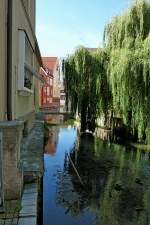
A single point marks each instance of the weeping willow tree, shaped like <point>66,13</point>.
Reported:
<point>127,39</point>
<point>71,81</point>
<point>86,85</point>
<point>104,96</point>
<point>117,78</point>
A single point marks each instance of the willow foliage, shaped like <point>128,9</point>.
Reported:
<point>117,78</point>
<point>86,84</point>
<point>127,39</point>
<point>127,30</point>
<point>70,78</point>
<point>103,92</point>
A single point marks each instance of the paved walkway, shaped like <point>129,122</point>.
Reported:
<point>28,213</point>
<point>32,166</point>
<point>32,150</point>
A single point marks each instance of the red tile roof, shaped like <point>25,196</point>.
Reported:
<point>50,62</point>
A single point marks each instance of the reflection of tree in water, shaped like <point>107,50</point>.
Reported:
<point>116,188</point>
<point>93,172</point>
<point>124,201</point>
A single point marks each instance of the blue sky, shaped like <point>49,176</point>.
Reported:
<point>62,25</point>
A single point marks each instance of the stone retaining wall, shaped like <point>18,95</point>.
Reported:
<point>12,176</point>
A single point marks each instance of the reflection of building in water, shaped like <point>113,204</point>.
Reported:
<point>55,119</point>
<point>50,147</point>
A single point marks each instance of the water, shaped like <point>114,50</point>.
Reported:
<point>116,189</point>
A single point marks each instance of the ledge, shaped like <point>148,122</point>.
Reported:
<point>25,92</point>
<point>12,123</point>
<point>32,150</point>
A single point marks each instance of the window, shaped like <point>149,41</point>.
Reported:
<point>50,72</point>
<point>51,92</point>
<point>28,75</point>
<point>44,100</point>
<point>48,91</point>
<point>27,78</point>
<point>25,65</point>
<point>50,101</point>
<point>28,52</point>
<point>62,97</point>
<point>51,82</point>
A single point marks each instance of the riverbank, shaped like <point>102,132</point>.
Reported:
<point>105,133</point>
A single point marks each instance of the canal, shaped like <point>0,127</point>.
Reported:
<point>110,184</point>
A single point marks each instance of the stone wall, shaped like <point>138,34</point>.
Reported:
<point>29,120</point>
<point>12,175</point>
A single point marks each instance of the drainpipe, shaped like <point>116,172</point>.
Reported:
<point>9,60</point>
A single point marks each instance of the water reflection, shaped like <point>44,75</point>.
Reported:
<point>54,118</point>
<point>116,179</point>
<point>51,144</point>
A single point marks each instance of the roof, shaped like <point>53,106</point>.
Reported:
<point>38,53</point>
<point>50,62</point>
<point>92,49</point>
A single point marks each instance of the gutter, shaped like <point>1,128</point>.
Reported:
<point>9,60</point>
